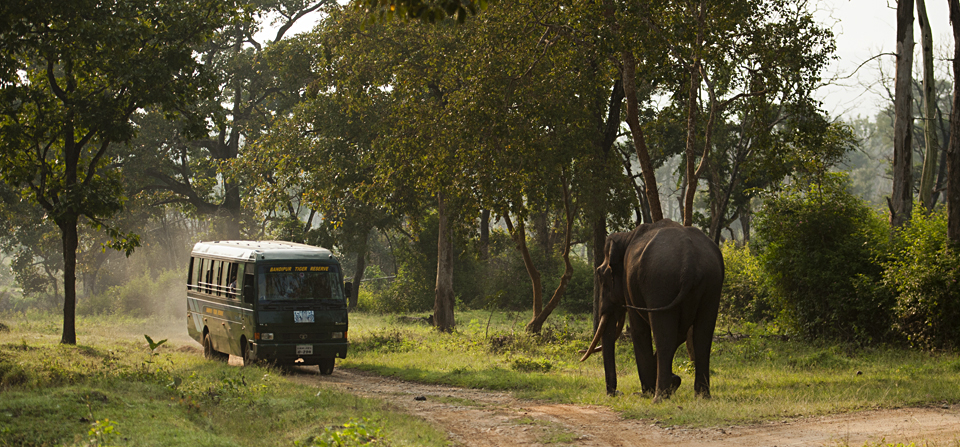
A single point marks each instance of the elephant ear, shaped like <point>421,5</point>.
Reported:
<point>613,251</point>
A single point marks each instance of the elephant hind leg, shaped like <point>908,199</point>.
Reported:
<point>702,342</point>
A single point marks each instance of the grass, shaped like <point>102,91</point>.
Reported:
<point>112,390</point>
<point>760,376</point>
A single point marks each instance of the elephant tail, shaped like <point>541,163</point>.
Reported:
<point>684,292</point>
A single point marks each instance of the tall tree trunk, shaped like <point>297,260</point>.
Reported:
<point>607,131</point>
<point>443,303</point>
<point>485,234</point>
<point>901,201</point>
<point>953,149</point>
<point>930,111</point>
<point>69,234</point>
<point>536,324</point>
<point>519,235</point>
<point>745,214</point>
<point>358,272</point>
<point>692,172</point>
<point>639,141</point>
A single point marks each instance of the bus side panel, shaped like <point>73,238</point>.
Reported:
<point>194,319</point>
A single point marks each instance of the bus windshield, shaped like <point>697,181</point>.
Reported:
<point>300,283</point>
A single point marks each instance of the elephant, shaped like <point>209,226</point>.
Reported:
<point>667,277</point>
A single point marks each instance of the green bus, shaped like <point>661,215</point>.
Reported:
<point>276,301</point>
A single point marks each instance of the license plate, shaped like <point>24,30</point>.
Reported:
<point>303,316</point>
<point>304,349</point>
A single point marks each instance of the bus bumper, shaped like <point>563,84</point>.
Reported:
<point>286,353</point>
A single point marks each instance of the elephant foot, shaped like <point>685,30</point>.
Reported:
<point>614,392</point>
<point>675,382</point>
<point>703,393</point>
<point>661,396</point>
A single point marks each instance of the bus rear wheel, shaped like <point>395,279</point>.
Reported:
<point>326,366</point>
<point>209,353</point>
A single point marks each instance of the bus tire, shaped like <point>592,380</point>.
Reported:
<point>326,366</point>
<point>247,354</point>
<point>208,352</point>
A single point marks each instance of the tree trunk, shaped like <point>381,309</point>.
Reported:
<point>953,149</point>
<point>745,215</point>
<point>443,304</point>
<point>692,108</point>
<point>519,235</point>
<point>901,201</point>
<point>536,324</point>
<point>358,272</point>
<point>930,110</point>
<point>607,131</point>
<point>70,238</point>
<point>485,234</point>
<point>639,142</point>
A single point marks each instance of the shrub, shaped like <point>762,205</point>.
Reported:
<point>924,270</point>
<point>141,296</point>
<point>746,296</point>
<point>822,250</point>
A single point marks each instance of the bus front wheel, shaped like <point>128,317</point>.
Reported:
<point>247,354</point>
<point>326,366</point>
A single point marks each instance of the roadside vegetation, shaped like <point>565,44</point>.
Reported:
<point>112,389</point>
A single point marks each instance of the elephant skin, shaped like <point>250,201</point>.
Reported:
<point>667,278</point>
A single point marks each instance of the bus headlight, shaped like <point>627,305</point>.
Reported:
<point>337,335</point>
<point>265,336</point>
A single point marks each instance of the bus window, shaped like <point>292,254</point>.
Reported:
<point>231,277</point>
<point>199,274</point>
<point>190,275</point>
<point>209,276</point>
<point>249,292</point>
<point>300,283</point>
<point>218,276</point>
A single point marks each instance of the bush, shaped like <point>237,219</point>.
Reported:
<point>822,252</point>
<point>141,296</point>
<point>745,296</point>
<point>924,271</point>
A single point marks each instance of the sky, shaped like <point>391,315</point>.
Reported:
<point>864,29</point>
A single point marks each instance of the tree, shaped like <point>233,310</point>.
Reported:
<point>259,77</point>
<point>429,11</point>
<point>929,109</point>
<point>901,200</point>
<point>78,71</point>
<point>953,149</point>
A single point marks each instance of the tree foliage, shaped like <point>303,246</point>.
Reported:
<point>73,75</point>
<point>822,250</point>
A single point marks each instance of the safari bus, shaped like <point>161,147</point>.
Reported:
<point>276,301</point>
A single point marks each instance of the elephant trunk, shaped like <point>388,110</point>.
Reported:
<point>596,338</point>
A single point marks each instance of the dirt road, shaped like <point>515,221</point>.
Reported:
<point>482,418</point>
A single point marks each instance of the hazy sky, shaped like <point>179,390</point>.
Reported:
<point>863,29</point>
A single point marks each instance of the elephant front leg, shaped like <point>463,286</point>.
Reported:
<point>643,352</point>
<point>610,334</point>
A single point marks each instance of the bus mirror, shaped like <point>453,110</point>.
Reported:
<point>348,289</point>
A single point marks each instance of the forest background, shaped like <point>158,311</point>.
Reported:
<point>474,157</point>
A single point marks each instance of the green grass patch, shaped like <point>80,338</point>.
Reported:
<point>758,375</point>
<point>111,389</point>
